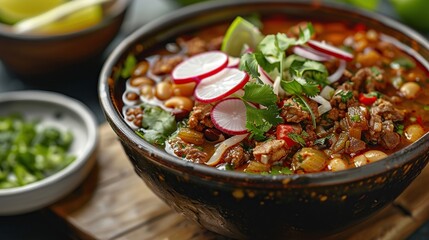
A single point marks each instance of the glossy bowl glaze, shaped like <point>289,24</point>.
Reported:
<point>64,113</point>
<point>246,206</point>
<point>38,58</point>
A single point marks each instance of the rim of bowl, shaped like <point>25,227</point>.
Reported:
<point>118,7</point>
<point>295,180</point>
<point>65,102</point>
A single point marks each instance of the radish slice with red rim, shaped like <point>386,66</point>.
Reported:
<point>199,66</point>
<point>338,73</point>
<point>223,146</point>
<point>233,62</point>
<point>330,50</point>
<point>264,76</point>
<point>311,54</point>
<point>220,85</point>
<point>229,116</point>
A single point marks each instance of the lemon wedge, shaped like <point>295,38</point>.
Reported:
<point>240,33</point>
<point>12,11</point>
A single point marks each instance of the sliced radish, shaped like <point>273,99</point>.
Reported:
<point>330,50</point>
<point>223,146</point>
<point>264,76</point>
<point>311,54</point>
<point>233,62</point>
<point>229,116</point>
<point>199,66</point>
<point>220,85</point>
<point>338,73</point>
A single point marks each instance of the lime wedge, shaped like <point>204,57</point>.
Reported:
<point>76,21</point>
<point>241,32</point>
<point>12,11</point>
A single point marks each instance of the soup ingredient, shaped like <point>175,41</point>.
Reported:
<point>240,33</point>
<point>223,146</point>
<point>220,85</point>
<point>311,54</point>
<point>12,11</point>
<point>330,50</point>
<point>30,151</point>
<point>199,66</point>
<point>338,73</point>
<point>229,116</point>
<point>413,12</point>
<point>157,125</point>
<point>413,132</point>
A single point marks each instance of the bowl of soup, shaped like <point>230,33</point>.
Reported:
<point>42,54</point>
<point>271,119</point>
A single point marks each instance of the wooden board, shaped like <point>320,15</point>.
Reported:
<point>114,203</point>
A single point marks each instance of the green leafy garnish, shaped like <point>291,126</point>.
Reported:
<point>129,65</point>
<point>157,125</point>
<point>403,62</point>
<point>345,95</point>
<point>259,121</point>
<point>297,138</point>
<point>30,152</point>
<point>259,93</point>
<point>279,170</point>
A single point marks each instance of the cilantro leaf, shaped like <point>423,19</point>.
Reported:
<point>292,87</point>
<point>277,170</point>
<point>259,93</point>
<point>249,64</point>
<point>297,138</point>
<point>259,121</point>
<point>305,34</point>
<point>157,125</point>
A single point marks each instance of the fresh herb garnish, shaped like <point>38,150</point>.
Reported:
<point>280,170</point>
<point>298,76</point>
<point>403,62</point>
<point>297,138</point>
<point>345,95</point>
<point>399,128</point>
<point>157,125</point>
<point>129,65</point>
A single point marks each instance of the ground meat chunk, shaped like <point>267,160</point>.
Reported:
<point>389,139</point>
<point>387,111</point>
<point>270,151</point>
<point>187,151</point>
<point>199,118</point>
<point>166,64</point>
<point>381,124</point>
<point>369,80</point>
<point>292,111</point>
<point>235,156</point>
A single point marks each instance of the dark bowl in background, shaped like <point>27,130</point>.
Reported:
<point>42,57</point>
<point>241,205</point>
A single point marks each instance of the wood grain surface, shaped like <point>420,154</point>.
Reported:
<point>114,203</point>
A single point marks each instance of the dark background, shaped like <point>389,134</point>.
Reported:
<point>82,85</point>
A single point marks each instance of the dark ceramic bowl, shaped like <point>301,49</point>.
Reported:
<point>240,205</point>
<point>46,56</point>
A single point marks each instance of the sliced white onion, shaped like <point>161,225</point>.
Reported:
<point>325,105</point>
<point>223,146</point>
<point>327,92</point>
<point>338,73</point>
<point>311,54</point>
<point>277,89</point>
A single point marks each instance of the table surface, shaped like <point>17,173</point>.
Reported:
<point>82,85</point>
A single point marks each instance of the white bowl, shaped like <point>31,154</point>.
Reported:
<point>63,112</point>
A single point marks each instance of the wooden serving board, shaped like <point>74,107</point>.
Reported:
<point>114,203</point>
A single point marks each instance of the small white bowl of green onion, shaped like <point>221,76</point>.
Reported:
<point>48,145</point>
